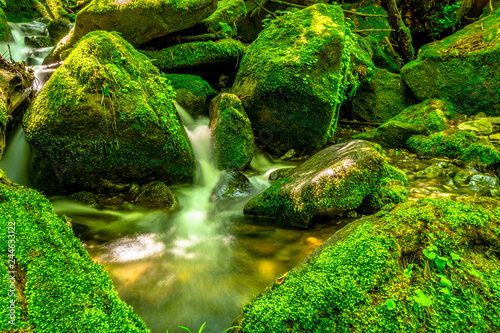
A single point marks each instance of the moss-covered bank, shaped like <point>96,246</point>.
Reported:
<point>426,266</point>
<point>58,288</point>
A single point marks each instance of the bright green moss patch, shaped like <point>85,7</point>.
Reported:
<point>486,155</point>
<point>59,287</point>
<point>451,144</point>
<point>106,113</point>
<point>223,20</point>
<point>197,53</point>
<point>193,83</point>
<point>431,265</point>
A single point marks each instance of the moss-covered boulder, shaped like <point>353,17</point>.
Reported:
<point>334,180</point>
<point>58,29</point>
<point>106,115</point>
<point>232,133</point>
<point>192,93</point>
<point>381,98</point>
<point>223,21</point>
<point>427,265</point>
<point>454,143</point>
<point>425,118</point>
<point>231,184</point>
<point>4,27</point>
<point>140,21</point>
<point>295,75</point>
<point>157,195</point>
<point>190,56</point>
<point>463,68</point>
<point>55,285</point>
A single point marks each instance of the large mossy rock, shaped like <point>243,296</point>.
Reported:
<point>192,93</point>
<point>189,57</point>
<point>107,114</point>
<point>4,27</point>
<point>427,265</point>
<point>223,21</point>
<point>463,68</point>
<point>58,287</point>
<point>381,98</point>
<point>331,182</point>
<point>232,133</point>
<point>424,118</point>
<point>295,75</point>
<point>140,21</point>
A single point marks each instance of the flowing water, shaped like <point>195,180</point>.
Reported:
<point>202,263</point>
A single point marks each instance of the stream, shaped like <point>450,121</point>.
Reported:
<point>204,262</point>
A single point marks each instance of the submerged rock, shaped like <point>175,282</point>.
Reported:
<point>405,269</point>
<point>463,68</point>
<point>231,184</point>
<point>54,271</point>
<point>295,75</point>
<point>106,115</point>
<point>381,98</point>
<point>331,182</point>
<point>232,133</point>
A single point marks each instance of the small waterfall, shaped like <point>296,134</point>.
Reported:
<point>16,157</point>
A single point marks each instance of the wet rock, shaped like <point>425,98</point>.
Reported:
<point>390,192</point>
<point>432,172</point>
<point>85,198</point>
<point>480,115</point>
<point>123,130</point>
<point>34,28</point>
<point>495,137</point>
<point>484,191</point>
<point>280,173</point>
<point>384,96</point>
<point>288,155</point>
<point>192,93</point>
<point>223,21</point>
<point>462,68</point>
<point>111,202</point>
<point>157,195</point>
<point>38,41</point>
<point>480,126</point>
<point>479,181</point>
<point>363,254</point>
<point>294,104</point>
<point>231,184</point>
<point>331,182</point>
<point>232,133</point>
<point>58,29</point>
<point>461,178</point>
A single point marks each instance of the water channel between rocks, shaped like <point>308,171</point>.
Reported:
<point>206,261</point>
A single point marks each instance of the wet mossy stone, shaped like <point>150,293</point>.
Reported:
<point>107,115</point>
<point>463,68</point>
<point>140,21</point>
<point>4,27</point>
<point>231,184</point>
<point>157,195</point>
<point>381,98</point>
<point>296,74</point>
<point>58,29</point>
<point>192,93</point>
<point>186,56</point>
<point>232,133</point>
<point>424,265</point>
<point>331,182</point>
<point>59,288</point>
<point>424,118</point>
<point>223,21</point>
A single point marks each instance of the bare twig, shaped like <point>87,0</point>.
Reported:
<point>10,53</point>
<point>394,54</point>
<point>265,9</point>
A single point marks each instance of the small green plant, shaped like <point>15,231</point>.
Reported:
<point>445,19</point>
<point>203,326</point>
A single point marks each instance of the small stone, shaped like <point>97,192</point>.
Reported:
<point>480,115</point>
<point>288,155</point>
<point>432,172</point>
<point>495,137</point>
<point>484,180</point>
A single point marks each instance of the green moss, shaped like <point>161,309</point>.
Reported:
<point>193,83</point>
<point>223,20</point>
<point>451,143</point>
<point>62,289</point>
<point>103,6</point>
<point>232,133</point>
<point>373,275</point>
<point>108,109</point>
<point>196,53</point>
<point>4,27</point>
<point>480,153</point>
<point>19,10</point>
